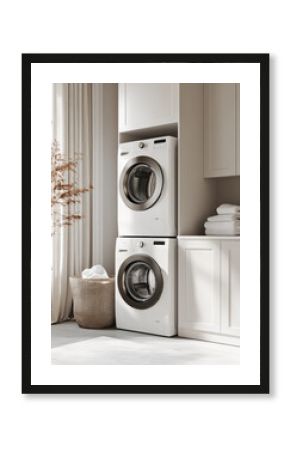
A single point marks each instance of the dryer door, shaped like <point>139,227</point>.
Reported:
<point>141,183</point>
<point>140,281</point>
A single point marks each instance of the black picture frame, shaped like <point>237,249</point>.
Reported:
<point>263,61</point>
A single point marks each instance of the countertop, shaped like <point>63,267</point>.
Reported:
<point>203,236</point>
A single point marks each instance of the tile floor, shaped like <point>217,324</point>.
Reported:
<point>74,345</point>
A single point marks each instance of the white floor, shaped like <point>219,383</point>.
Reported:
<point>74,345</point>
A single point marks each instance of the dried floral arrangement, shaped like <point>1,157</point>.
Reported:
<point>65,191</point>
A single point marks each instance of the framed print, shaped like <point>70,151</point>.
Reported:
<point>139,274</point>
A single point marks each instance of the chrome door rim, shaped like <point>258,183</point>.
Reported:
<point>122,285</point>
<point>123,185</point>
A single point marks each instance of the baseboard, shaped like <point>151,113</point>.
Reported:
<point>209,337</point>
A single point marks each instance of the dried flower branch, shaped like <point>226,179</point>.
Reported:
<point>65,192</point>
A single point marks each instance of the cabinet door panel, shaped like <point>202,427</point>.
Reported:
<point>219,130</point>
<point>199,293</point>
<point>230,287</point>
<point>147,105</point>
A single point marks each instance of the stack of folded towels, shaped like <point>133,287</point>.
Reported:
<point>226,222</point>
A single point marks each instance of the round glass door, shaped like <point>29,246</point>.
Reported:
<point>141,183</point>
<point>140,281</point>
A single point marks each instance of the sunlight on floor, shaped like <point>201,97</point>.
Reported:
<point>74,345</point>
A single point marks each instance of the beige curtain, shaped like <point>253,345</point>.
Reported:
<point>72,245</point>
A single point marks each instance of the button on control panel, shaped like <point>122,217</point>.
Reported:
<point>140,244</point>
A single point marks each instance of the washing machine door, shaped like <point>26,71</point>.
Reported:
<point>140,281</point>
<point>141,183</point>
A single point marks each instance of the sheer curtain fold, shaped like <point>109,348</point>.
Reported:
<point>72,245</point>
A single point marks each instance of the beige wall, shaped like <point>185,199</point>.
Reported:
<point>228,190</point>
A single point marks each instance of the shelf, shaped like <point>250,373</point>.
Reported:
<point>148,133</point>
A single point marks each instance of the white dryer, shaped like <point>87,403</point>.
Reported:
<point>146,285</point>
<point>147,187</point>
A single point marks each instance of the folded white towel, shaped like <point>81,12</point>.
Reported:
<point>95,272</point>
<point>228,208</point>
<point>223,218</point>
<point>228,228</point>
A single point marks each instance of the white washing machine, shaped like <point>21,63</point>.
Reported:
<point>146,285</point>
<point>147,187</point>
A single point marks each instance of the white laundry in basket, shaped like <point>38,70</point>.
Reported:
<point>95,272</point>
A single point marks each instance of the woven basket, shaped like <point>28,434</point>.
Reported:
<point>93,302</point>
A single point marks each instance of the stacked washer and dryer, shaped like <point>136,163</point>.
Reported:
<point>146,254</point>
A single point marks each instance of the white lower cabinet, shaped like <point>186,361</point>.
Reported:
<point>209,289</point>
<point>230,287</point>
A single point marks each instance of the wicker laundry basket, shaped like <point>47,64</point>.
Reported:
<point>93,302</point>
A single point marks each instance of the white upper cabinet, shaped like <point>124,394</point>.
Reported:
<point>237,115</point>
<point>147,105</point>
<point>221,130</point>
